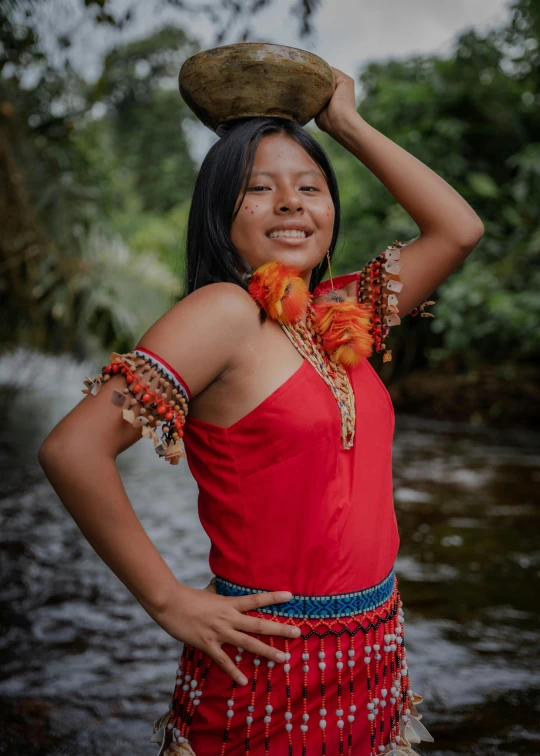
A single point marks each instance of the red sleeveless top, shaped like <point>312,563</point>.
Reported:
<point>285,506</point>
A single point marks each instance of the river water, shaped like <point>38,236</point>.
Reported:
<point>84,670</point>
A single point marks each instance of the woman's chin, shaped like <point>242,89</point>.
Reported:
<point>297,256</point>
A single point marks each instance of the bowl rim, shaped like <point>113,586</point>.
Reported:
<point>255,44</point>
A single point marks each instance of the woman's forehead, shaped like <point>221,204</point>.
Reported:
<point>278,154</point>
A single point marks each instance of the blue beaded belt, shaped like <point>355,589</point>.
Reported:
<point>318,607</point>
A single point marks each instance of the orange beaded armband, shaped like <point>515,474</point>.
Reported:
<point>378,287</point>
<point>154,399</point>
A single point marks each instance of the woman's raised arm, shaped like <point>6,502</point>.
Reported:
<point>450,228</point>
<point>197,339</point>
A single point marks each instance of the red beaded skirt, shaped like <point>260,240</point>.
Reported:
<point>343,690</point>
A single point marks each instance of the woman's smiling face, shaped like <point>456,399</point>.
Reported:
<point>287,190</point>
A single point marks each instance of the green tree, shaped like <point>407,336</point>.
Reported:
<point>66,172</point>
<point>474,118</point>
<point>146,112</point>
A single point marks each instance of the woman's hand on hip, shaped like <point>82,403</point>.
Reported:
<point>205,620</point>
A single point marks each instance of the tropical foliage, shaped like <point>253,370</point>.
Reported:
<point>95,183</point>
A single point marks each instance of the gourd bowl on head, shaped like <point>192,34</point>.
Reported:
<point>250,79</point>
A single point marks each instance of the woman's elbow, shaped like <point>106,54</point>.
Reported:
<point>53,452</point>
<point>49,453</point>
<point>470,233</point>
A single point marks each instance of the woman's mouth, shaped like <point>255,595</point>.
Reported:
<point>293,237</point>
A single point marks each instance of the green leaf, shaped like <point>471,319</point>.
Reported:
<point>483,184</point>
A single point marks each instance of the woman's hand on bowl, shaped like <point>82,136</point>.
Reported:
<point>341,106</point>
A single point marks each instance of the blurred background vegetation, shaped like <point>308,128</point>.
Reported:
<point>96,179</point>
<point>95,183</point>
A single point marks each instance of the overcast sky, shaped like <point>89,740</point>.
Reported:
<point>347,33</point>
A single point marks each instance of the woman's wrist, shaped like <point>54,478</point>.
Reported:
<point>161,602</point>
<point>350,130</point>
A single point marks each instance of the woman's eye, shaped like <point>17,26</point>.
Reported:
<point>259,186</point>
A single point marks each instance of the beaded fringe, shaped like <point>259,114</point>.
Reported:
<point>387,678</point>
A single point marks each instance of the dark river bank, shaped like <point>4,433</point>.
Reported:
<point>84,670</point>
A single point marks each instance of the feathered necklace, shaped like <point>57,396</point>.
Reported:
<point>336,334</point>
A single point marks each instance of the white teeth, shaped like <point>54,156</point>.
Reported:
<point>293,234</point>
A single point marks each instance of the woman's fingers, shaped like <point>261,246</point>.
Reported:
<point>261,626</point>
<point>258,624</point>
<point>227,664</point>
<point>229,627</point>
<point>256,646</point>
<point>256,600</point>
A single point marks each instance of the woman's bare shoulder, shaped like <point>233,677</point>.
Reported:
<point>221,297</point>
<point>199,335</point>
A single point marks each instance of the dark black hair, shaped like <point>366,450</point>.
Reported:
<point>210,253</point>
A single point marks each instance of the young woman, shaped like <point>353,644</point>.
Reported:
<point>297,644</point>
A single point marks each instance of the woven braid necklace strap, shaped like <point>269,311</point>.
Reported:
<point>304,337</point>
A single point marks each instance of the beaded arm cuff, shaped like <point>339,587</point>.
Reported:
<point>378,285</point>
<point>155,398</point>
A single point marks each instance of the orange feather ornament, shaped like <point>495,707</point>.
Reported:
<point>342,323</point>
<point>344,326</point>
<point>281,291</point>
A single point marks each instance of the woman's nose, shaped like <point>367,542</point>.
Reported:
<point>290,202</point>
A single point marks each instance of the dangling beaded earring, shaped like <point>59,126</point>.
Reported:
<point>330,271</point>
